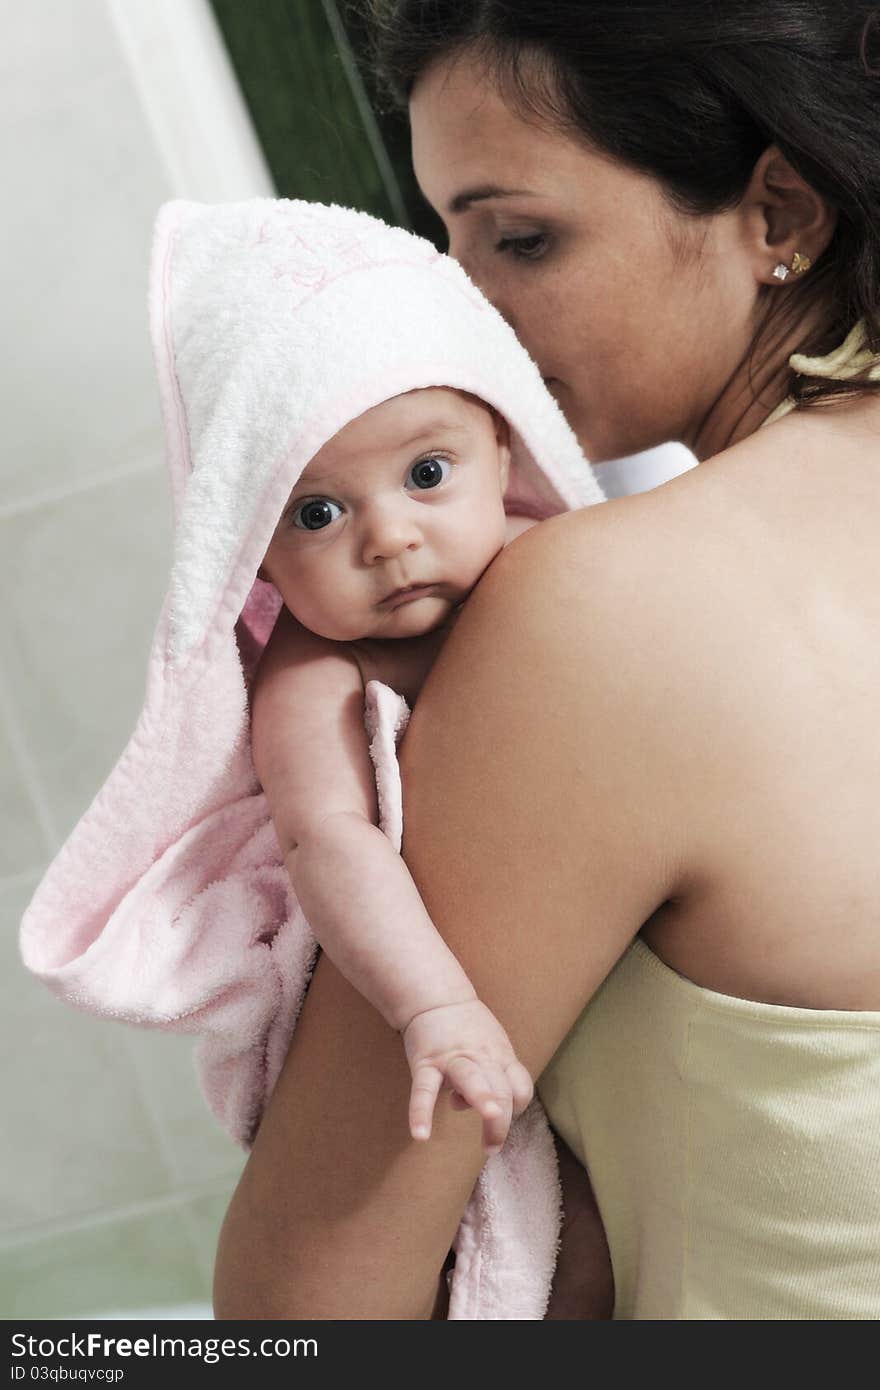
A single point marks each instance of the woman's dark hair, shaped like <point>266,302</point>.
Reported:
<point>693,92</point>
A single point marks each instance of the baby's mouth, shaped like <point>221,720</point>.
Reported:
<point>407,592</point>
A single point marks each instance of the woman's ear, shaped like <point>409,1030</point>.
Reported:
<point>786,214</point>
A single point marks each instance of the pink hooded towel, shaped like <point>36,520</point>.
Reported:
<point>274,323</point>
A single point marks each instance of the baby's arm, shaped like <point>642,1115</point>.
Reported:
<point>310,752</point>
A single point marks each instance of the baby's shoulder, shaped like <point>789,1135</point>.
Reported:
<point>303,663</point>
<point>299,662</point>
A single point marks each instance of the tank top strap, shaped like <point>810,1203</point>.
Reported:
<point>852,357</point>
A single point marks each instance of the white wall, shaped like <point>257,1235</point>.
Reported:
<point>115,1176</point>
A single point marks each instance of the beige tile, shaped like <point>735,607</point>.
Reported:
<point>197,1148</point>
<point>138,1262</point>
<point>22,840</point>
<point>207,1214</point>
<point>78,388</point>
<point>78,1136</point>
<point>39,44</point>
<point>83,580</point>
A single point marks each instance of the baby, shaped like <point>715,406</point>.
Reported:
<point>388,529</point>
<point>342,407</point>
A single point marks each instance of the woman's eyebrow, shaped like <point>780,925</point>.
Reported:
<point>462,201</point>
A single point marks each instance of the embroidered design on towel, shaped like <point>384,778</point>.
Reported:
<point>309,252</point>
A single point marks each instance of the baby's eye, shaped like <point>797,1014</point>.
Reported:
<point>429,472</point>
<point>316,514</point>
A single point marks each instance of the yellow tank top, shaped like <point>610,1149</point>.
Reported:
<point>733,1147</point>
<point>851,358</point>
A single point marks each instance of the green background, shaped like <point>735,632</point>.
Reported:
<point>303,70</point>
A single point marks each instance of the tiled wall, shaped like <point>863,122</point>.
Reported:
<point>115,1176</point>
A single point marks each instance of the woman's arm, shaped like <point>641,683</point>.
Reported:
<point>543,823</point>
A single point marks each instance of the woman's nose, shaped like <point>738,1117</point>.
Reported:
<point>458,250</point>
<point>387,532</point>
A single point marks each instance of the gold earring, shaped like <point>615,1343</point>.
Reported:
<point>799,264</point>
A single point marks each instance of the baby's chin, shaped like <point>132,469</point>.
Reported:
<point>416,618</point>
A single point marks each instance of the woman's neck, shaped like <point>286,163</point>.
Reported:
<point>751,395</point>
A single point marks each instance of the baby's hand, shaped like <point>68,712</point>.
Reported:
<point>465,1046</point>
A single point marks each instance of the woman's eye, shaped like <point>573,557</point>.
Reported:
<point>525,248</point>
<point>316,514</point>
<point>430,472</point>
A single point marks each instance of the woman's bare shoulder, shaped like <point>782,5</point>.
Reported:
<point>574,621</point>
<point>616,607</point>
<point>599,563</point>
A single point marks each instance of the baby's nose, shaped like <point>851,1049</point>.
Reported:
<point>388,532</point>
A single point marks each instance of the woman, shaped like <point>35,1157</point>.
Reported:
<point>650,832</point>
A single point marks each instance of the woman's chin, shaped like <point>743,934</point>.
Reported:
<point>581,419</point>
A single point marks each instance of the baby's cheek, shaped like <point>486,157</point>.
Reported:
<point>501,530</point>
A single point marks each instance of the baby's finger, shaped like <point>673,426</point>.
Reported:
<point>521,1085</point>
<point>470,1081</point>
<point>458,1102</point>
<point>496,1127</point>
<point>485,1088</point>
<point>427,1081</point>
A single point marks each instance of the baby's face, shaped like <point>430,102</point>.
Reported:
<point>409,493</point>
